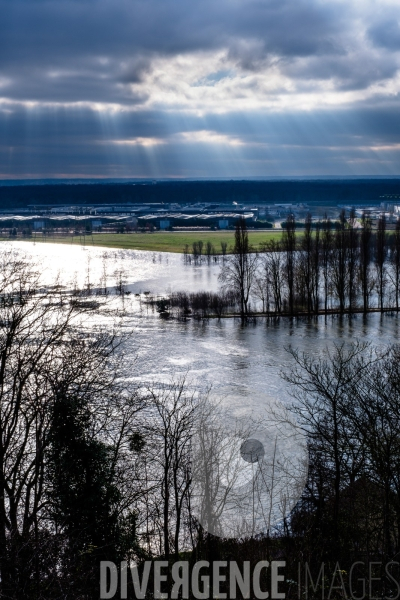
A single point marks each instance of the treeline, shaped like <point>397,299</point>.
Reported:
<point>286,191</point>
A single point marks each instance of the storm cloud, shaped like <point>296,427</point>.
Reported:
<point>184,89</point>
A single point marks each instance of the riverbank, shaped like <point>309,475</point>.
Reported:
<point>159,241</point>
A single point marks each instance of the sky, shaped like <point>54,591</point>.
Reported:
<point>199,88</point>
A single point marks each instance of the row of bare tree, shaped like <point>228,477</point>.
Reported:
<point>340,268</point>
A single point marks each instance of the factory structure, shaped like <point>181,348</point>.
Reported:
<point>128,217</point>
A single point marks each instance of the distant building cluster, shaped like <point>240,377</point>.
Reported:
<point>389,210</point>
<point>130,216</point>
<point>125,217</point>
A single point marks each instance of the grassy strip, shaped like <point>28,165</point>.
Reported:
<point>165,241</point>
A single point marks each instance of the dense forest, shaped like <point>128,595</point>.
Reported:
<point>321,192</point>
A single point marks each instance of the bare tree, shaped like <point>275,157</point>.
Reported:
<point>322,392</point>
<point>348,402</point>
<point>352,259</point>
<point>273,264</point>
<point>315,269</point>
<point>326,256</point>
<point>43,347</point>
<point>340,262</point>
<point>307,268</point>
<point>120,277</point>
<point>380,258</point>
<point>289,247</point>
<point>168,428</point>
<point>186,256</point>
<point>239,270</point>
<point>365,259</point>
<point>302,274</point>
<point>376,426</point>
<point>261,291</point>
<point>196,253</point>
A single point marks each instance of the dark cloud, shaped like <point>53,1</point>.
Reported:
<point>102,77</point>
<point>349,71</point>
<point>133,70</point>
<point>386,34</point>
<point>89,45</point>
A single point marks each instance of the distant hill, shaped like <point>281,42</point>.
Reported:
<point>329,192</point>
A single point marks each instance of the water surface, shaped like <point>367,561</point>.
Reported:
<point>241,363</point>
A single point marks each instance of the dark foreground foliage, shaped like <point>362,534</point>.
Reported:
<point>90,470</point>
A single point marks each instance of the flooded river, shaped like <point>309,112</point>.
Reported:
<point>241,363</point>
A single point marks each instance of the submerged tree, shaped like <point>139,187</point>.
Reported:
<point>307,272</point>
<point>326,255</point>
<point>339,262</point>
<point>365,259</point>
<point>380,258</point>
<point>289,248</point>
<point>239,270</point>
<point>352,260</point>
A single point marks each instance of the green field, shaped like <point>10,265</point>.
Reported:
<point>164,241</point>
